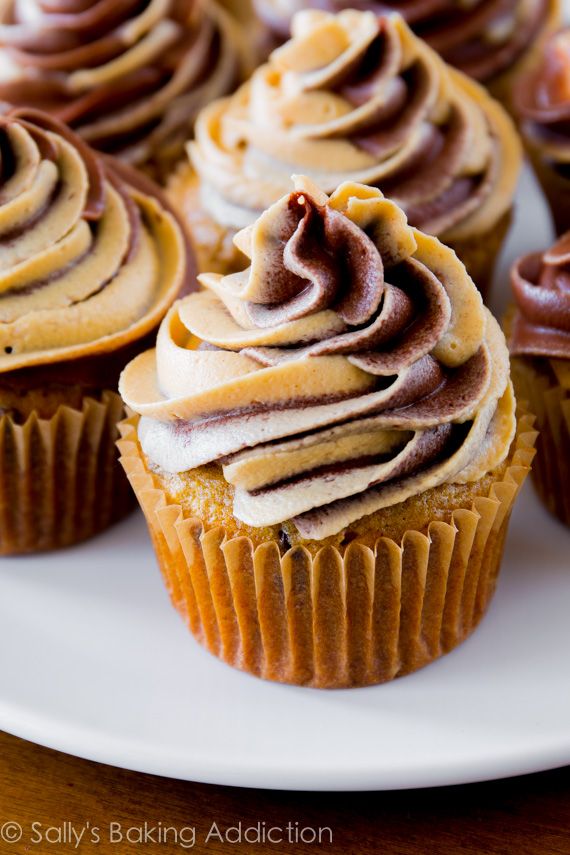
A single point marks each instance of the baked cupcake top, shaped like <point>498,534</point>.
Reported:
<point>129,75</point>
<point>90,256</point>
<point>350,366</point>
<point>483,37</point>
<point>360,98</point>
<point>542,99</point>
<point>541,286</point>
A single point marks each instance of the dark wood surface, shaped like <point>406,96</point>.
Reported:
<point>523,816</point>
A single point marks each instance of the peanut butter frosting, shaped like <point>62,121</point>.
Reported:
<point>90,255</point>
<point>541,286</point>
<point>482,38</point>
<point>129,75</point>
<point>542,100</point>
<point>355,97</point>
<point>350,366</point>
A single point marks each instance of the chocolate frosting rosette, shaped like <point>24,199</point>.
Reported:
<point>354,97</point>
<point>485,39</point>
<point>542,101</point>
<point>321,419</point>
<point>539,340</point>
<point>129,76</point>
<point>91,257</point>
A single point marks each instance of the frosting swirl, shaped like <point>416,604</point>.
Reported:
<point>90,255</point>
<point>482,38</point>
<point>542,100</point>
<point>130,76</point>
<point>354,97</point>
<point>541,286</point>
<point>350,366</point>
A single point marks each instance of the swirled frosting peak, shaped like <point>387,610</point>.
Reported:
<point>355,97</point>
<point>129,75</point>
<point>90,256</point>
<point>541,286</point>
<point>482,37</point>
<point>350,366</point>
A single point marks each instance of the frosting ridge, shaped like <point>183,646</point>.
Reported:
<point>351,365</point>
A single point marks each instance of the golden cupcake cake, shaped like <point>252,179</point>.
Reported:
<point>490,40</point>
<point>539,340</point>
<point>355,97</point>
<point>91,258</point>
<point>542,101</point>
<point>326,448</point>
<point>129,76</point>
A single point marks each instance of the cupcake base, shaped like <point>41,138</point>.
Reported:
<point>479,254</point>
<point>546,385</point>
<point>331,618</point>
<point>556,188</point>
<point>60,480</point>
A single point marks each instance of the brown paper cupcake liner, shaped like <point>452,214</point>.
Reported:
<point>331,620</point>
<point>536,381</point>
<point>60,479</point>
<point>479,253</point>
<point>555,186</point>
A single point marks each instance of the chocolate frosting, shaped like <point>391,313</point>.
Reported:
<point>360,98</point>
<point>130,76</point>
<point>351,365</point>
<point>541,286</point>
<point>91,256</point>
<point>481,38</point>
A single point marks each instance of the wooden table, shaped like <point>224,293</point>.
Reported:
<point>523,816</point>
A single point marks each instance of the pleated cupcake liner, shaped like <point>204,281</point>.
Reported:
<point>556,188</point>
<point>550,402</point>
<point>60,479</point>
<point>331,620</point>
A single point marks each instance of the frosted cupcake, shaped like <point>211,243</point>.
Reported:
<point>355,97</point>
<point>326,448</point>
<point>540,345</point>
<point>129,76</point>
<point>90,260</point>
<point>542,100</point>
<point>489,40</point>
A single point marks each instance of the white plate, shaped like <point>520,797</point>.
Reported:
<point>95,662</point>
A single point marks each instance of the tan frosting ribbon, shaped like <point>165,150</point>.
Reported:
<point>355,97</point>
<point>88,261</point>
<point>352,364</point>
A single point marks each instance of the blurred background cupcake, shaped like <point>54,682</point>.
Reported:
<point>542,102</point>
<point>539,339</point>
<point>355,97</point>
<point>129,76</point>
<point>490,40</point>
<point>91,257</point>
<point>337,520</point>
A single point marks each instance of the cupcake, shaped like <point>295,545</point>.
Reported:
<point>130,77</point>
<point>539,340</point>
<point>91,258</point>
<point>542,101</point>
<point>489,40</point>
<point>325,446</point>
<point>360,98</point>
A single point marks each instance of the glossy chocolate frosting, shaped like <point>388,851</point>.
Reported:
<point>350,366</point>
<point>541,286</point>
<point>481,38</point>
<point>129,75</point>
<point>360,98</point>
<point>91,256</point>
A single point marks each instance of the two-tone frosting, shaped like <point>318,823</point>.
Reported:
<point>130,76</point>
<point>542,100</point>
<point>350,366</point>
<point>541,287</point>
<point>482,38</point>
<point>355,97</point>
<point>91,257</point>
